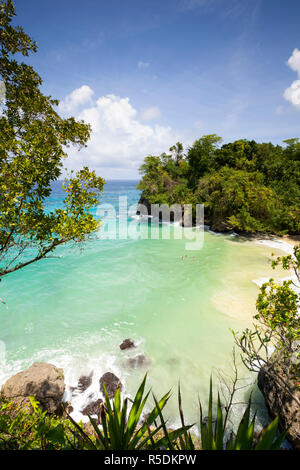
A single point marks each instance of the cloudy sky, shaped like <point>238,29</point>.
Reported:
<point>147,73</point>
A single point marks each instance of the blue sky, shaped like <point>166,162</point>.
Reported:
<point>150,72</point>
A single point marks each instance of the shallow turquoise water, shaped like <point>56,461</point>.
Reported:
<point>177,305</point>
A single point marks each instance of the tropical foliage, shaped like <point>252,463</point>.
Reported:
<point>124,429</point>
<point>245,186</point>
<point>30,428</point>
<point>33,143</point>
<point>214,433</point>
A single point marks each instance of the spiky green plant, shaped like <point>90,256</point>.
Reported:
<point>185,441</point>
<point>121,430</point>
<point>213,434</point>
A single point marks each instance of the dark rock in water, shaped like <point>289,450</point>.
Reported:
<point>111,382</point>
<point>43,381</point>
<point>84,383</point>
<point>280,403</point>
<point>138,361</point>
<point>127,344</point>
<point>92,408</point>
<point>143,207</point>
<point>173,361</point>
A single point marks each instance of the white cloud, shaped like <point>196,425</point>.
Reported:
<point>292,94</point>
<point>143,65</point>
<point>77,98</point>
<point>148,114</point>
<point>119,139</point>
<point>294,61</point>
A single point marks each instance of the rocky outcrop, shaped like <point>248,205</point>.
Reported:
<point>127,344</point>
<point>98,409</point>
<point>219,225</point>
<point>93,408</point>
<point>143,207</point>
<point>43,381</point>
<point>216,224</point>
<point>280,403</point>
<point>111,383</point>
<point>84,383</point>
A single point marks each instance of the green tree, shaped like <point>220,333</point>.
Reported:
<point>292,149</point>
<point>153,179</point>
<point>240,154</point>
<point>245,186</point>
<point>33,143</point>
<point>237,200</point>
<point>177,151</point>
<point>200,157</point>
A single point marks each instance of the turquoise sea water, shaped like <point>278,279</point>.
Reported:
<point>75,309</point>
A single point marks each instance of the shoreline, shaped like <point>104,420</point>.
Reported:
<point>281,243</point>
<point>285,243</point>
<point>292,239</point>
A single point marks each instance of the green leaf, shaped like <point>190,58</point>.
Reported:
<point>266,440</point>
<point>56,435</point>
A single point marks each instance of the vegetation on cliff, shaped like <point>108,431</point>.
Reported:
<point>272,346</point>
<point>245,186</point>
<point>124,427</point>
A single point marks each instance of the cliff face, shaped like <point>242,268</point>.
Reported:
<point>216,224</point>
<point>280,403</point>
<point>143,207</point>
